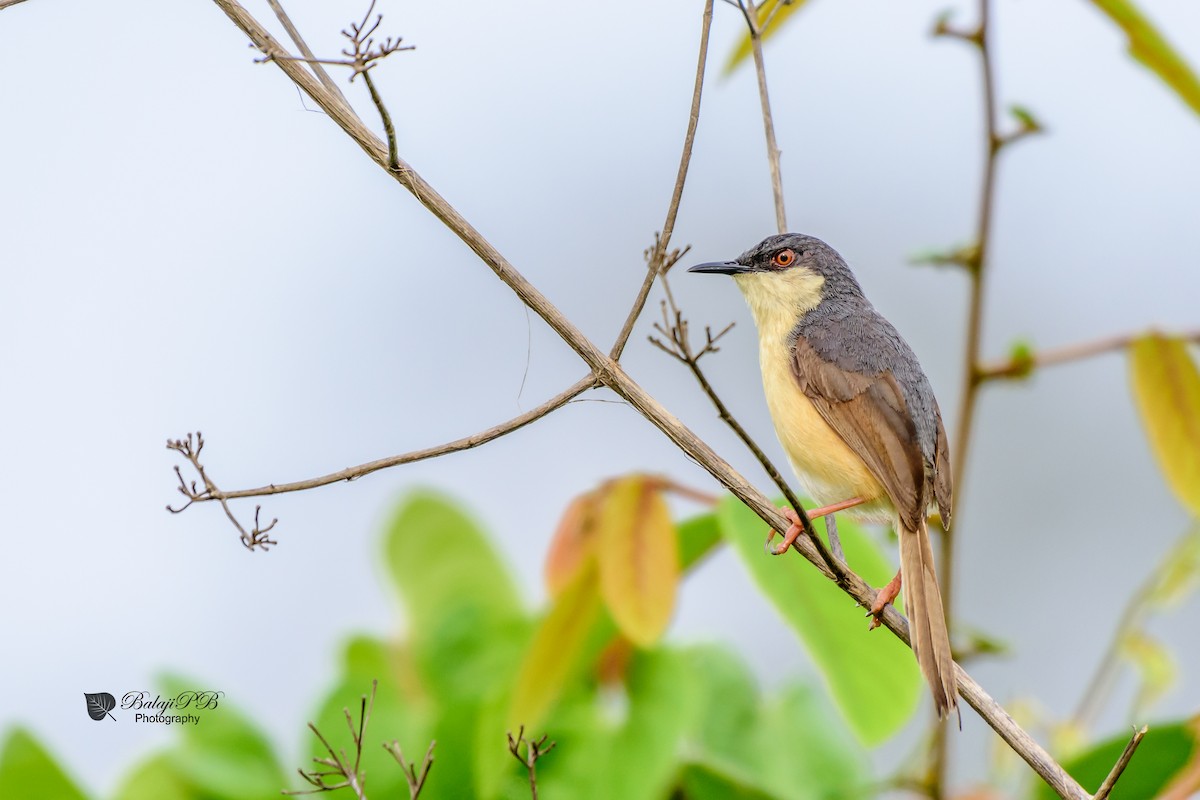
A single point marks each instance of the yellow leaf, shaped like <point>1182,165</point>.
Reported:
<point>1148,46</point>
<point>639,558</point>
<point>774,19</point>
<point>1166,386</point>
<point>574,542</point>
<point>1154,665</point>
<point>552,654</point>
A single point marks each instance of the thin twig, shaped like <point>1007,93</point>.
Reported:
<point>190,448</point>
<point>1106,788</point>
<point>415,780</point>
<point>662,242</point>
<point>338,763</point>
<point>750,12</point>
<point>353,473</point>
<point>303,47</point>
<point>1019,367</point>
<point>9,3</point>
<point>534,749</point>
<point>389,131</point>
<point>611,374</point>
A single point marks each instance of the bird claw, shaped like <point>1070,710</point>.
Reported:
<point>790,536</point>
<point>883,598</point>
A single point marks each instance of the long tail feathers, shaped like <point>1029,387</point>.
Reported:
<point>927,618</point>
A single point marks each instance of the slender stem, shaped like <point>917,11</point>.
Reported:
<point>976,269</point>
<point>760,70</point>
<point>393,157</point>
<point>1109,782</point>
<point>663,243</point>
<point>1019,367</point>
<point>306,51</point>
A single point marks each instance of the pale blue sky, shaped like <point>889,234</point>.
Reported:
<point>185,246</point>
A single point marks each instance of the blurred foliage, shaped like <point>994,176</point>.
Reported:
<point>1146,44</point>
<point>1166,385</point>
<point>1167,758</point>
<point>874,679</point>
<point>653,721</point>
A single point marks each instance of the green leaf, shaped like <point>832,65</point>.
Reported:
<point>402,712</point>
<point>1166,749</point>
<point>729,707</point>
<point>224,756</point>
<point>822,759</point>
<point>767,14</point>
<point>443,564</point>
<point>873,678</point>
<point>698,537</point>
<point>1148,46</point>
<point>710,782</point>
<point>638,558</point>
<point>29,772</point>
<point>663,700</point>
<point>1166,386</point>
<point>457,592</point>
<point>1025,118</point>
<point>155,779</point>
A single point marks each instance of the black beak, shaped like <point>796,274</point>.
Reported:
<point>721,267</point>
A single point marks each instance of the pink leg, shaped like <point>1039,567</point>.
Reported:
<point>794,532</point>
<point>883,597</point>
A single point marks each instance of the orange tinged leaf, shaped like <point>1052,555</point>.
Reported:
<point>574,542</point>
<point>1166,386</point>
<point>555,648</point>
<point>639,558</point>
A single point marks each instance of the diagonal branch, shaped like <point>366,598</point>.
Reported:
<point>352,473</point>
<point>658,257</point>
<point>1109,782</point>
<point>611,374</point>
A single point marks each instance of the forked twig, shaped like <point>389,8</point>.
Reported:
<point>414,779</point>
<point>338,765</point>
<point>534,749</point>
<point>190,448</point>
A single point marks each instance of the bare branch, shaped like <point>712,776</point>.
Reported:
<point>352,473</point>
<point>303,47</point>
<point>750,12</point>
<point>611,374</point>
<point>415,780</point>
<point>190,449</point>
<point>658,256</point>
<point>1106,788</point>
<point>9,3</point>
<point>1021,367</point>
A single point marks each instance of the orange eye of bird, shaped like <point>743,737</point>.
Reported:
<point>784,258</point>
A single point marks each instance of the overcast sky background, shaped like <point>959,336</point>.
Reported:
<point>186,244</point>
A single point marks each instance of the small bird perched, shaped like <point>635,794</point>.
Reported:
<point>857,418</point>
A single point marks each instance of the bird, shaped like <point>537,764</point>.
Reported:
<point>857,419</point>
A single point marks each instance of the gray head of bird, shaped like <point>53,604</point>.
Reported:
<point>786,275</point>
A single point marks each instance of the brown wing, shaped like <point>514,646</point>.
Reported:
<point>942,473</point>
<point>870,415</point>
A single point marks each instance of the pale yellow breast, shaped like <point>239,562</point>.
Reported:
<point>828,469</point>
